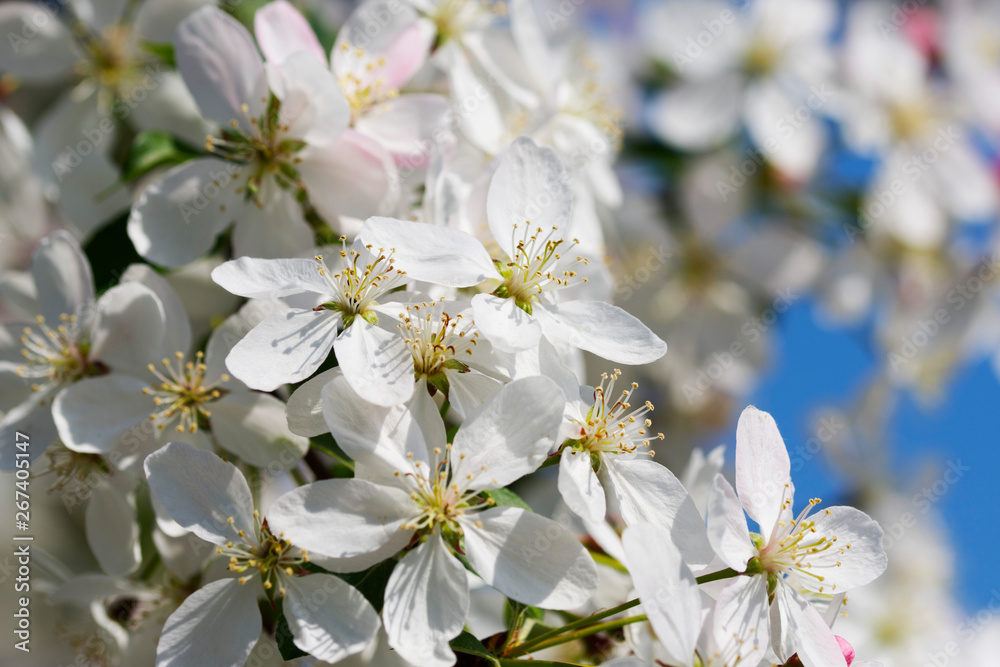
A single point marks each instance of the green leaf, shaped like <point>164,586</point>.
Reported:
<point>164,51</point>
<point>151,150</point>
<point>468,644</point>
<point>372,582</point>
<point>507,498</point>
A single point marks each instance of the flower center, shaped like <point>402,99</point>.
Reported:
<point>611,428</point>
<point>437,341</point>
<point>796,547</point>
<point>75,473</point>
<point>454,18</point>
<point>440,497</point>
<point>265,150</point>
<point>181,393</point>
<point>362,278</point>
<point>537,267</point>
<point>56,356</point>
<point>268,555</point>
<point>364,85</point>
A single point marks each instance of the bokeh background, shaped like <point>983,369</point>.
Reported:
<point>810,192</point>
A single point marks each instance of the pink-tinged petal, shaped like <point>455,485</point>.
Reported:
<point>727,527</point>
<point>403,40</point>
<point>354,176</point>
<point>846,648</point>
<point>407,127</point>
<point>281,31</point>
<point>763,471</point>
<point>219,62</point>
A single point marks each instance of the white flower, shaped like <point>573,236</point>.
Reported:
<point>220,623</point>
<point>73,338</point>
<point>371,71</point>
<point>765,62</point>
<point>836,551</point>
<point>605,450</point>
<point>351,293</point>
<point>176,396</point>
<point>284,133</point>
<point>411,488</point>
<point>529,210</point>
<point>120,86</point>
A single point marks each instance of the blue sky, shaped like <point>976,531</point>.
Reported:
<point>813,366</point>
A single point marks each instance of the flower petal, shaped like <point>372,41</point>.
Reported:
<point>63,279</point>
<point>856,558</point>
<point>281,30</point>
<point>288,346</point>
<point>178,217</point>
<point>219,62</point>
<point>94,414</point>
<point>509,436</point>
<point>177,333</point>
<point>352,521</point>
<point>329,619</point>
<point>304,410</point>
<point>313,106</point>
<point>507,327</point>
<point>667,589</point>
<point>426,602</point>
<point>129,329</point>
<point>354,176</point>
<point>727,527</point>
<point>36,44</point>
<point>741,622</point>
<point>603,329</point>
<point>407,127</point>
<point>530,187</point>
<point>800,629</point>
<point>113,530</point>
<point>578,484</point>
<point>377,363</point>
<point>253,427</point>
<point>216,625</point>
<point>263,278</point>
<point>529,558</point>
<point>430,253</point>
<point>763,470</point>
<point>276,228</point>
<point>648,492</point>
<point>201,491</point>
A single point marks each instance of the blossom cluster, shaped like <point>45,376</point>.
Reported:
<point>368,277</point>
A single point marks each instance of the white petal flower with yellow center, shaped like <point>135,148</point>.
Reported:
<point>73,338</point>
<point>413,490</point>
<point>284,135</point>
<point>353,296</point>
<point>794,557</point>
<point>537,279</point>
<point>220,623</point>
